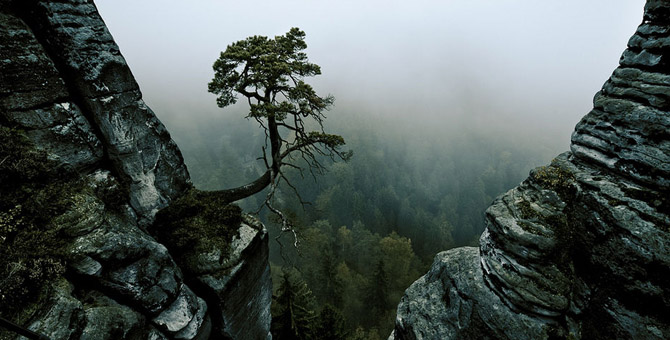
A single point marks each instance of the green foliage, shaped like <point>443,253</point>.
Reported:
<point>196,223</point>
<point>377,291</point>
<point>330,324</point>
<point>270,74</point>
<point>361,274</point>
<point>429,193</point>
<point>259,65</point>
<point>293,315</point>
<point>32,248</point>
<point>428,188</point>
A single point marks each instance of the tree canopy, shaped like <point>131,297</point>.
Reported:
<point>269,74</point>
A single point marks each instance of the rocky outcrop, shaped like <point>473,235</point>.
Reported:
<point>240,281</point>
<point>66,86</point>
<point>136,144</point>
<point>581,249</point>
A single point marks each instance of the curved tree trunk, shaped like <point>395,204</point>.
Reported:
<point>244,191</point>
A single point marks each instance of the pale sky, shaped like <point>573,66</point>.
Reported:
<point>448,62</point>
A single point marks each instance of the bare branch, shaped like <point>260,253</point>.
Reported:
<point>295,190</point>
<point>287,126</point>
<point>295,167</point>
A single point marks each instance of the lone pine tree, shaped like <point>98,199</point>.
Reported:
<point>269,74</point>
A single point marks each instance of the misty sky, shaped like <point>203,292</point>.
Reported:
<point>451,62</point>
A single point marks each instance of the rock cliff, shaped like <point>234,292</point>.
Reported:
<point>580,249</point>
<point>66,93</point>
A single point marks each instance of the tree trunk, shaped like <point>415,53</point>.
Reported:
<point>234,194</point>
<point>275,144</point>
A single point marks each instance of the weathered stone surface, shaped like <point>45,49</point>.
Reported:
<point>238,286</point>
<point>218,259</point>
<point>452,301</point>
<point>29,78</point>
<point>580,249</point>
<point>34,97</point>
<point>628,130</point>
<point>126,262</point>
<point>92,316</point>
<point>571,249</point>
<point>128,265</point>
<point>65,83</point>
<point>112,322</point>
<point>136,142</point>
<point>61,319</point>
<point>184,317</point>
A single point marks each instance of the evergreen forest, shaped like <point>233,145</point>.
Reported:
<point>369,227</point>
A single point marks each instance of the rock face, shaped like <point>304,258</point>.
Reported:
<point>580,249</point>
<point>240,282</point>
<point>65,84</point>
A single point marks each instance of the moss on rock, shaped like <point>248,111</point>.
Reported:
<point>34,190</point>
<point>556,178</point>
<point>197,223</point>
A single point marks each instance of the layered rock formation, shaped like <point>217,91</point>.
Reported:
<point>64,83</point>
<point>581,249</point>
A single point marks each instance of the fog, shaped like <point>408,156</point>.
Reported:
<point>505,65</point>
<point>446,104</point>
<point>461,81</point>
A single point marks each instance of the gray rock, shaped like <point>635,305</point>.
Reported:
<point>221,259</point>
<point>29,78</point>
<point>134,266</point>
<point>559,254</point>
<point>627,131</point>
<point>184,317</point>
<point>581,248</point>
<point>239,290</point>
<point>64,81</point>
<point>452,301</point>
<point>199,327</point>
<point>138,145</point>
<point>112,322</point>
<point>61,319</point>
<point>34,97</point>
<point>91,316</point>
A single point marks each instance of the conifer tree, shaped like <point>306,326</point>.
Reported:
<point>330,325</point>
<point>294,316</point>
<point>377,293</point>
<point>270,75</point>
